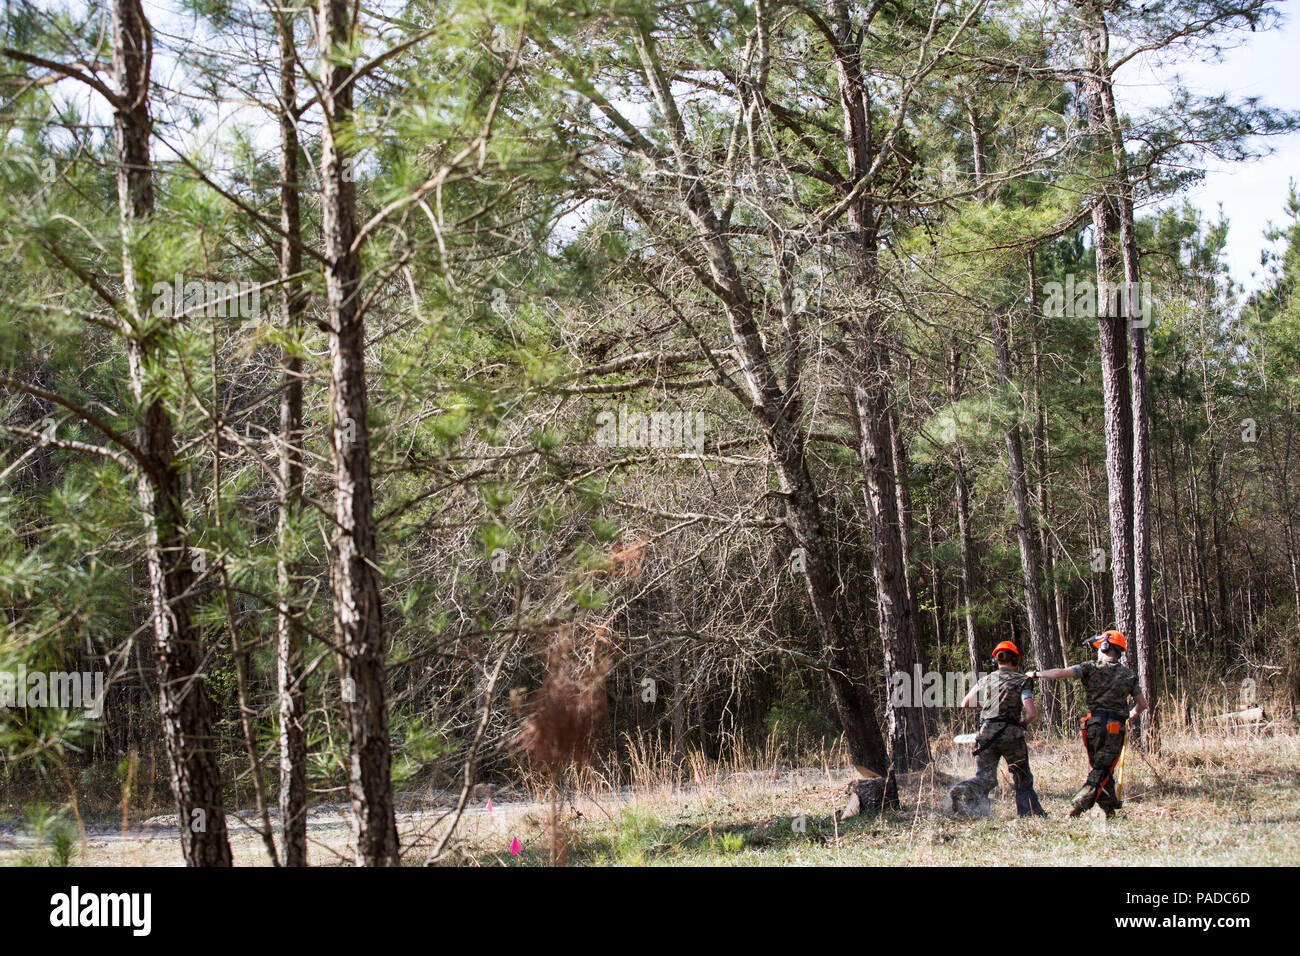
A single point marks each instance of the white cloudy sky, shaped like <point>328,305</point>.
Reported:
<point>1252,195</point>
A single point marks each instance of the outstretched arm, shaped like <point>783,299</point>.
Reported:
<point>1055,673</point>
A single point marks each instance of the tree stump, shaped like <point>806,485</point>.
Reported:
<point>967,799</point>
<point>870,796</point>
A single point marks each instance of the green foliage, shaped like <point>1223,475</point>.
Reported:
<point>794,719</point>
<point>728,844</point>
<point>637,835</point>
<point>54,834</point>
<point>535,252</point>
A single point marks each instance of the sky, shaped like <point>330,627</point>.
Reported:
<point>1252,194</point>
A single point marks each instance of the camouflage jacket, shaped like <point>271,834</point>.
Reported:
<point>1001,694</point>
<point>1107,686</point>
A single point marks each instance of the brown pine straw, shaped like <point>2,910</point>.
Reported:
<point>565,716</point>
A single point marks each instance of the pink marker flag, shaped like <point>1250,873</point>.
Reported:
<point>489,804</point>
<point>515,847</point>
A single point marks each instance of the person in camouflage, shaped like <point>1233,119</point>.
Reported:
<point>1107,685</point>
<point>1005,699</point>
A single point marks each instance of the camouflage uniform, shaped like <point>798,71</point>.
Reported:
<point>1108,688</point>
<point>1002,736</point>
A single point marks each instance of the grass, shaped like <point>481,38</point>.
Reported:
<point>1206,799</point>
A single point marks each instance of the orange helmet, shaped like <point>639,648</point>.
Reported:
<point>1005,646</point>
<point>1113,638</point>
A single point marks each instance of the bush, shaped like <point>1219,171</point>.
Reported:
<point>794,719</point>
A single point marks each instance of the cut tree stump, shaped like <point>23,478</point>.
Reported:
<point>966,799</point>
<point>870,796</point>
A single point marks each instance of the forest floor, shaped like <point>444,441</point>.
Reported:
<point>1204,800</point>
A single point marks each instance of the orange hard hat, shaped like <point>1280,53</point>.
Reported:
<point>1005,646</point>
<point>1113,638</point>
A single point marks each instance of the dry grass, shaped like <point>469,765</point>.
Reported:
<point>1206,799</point>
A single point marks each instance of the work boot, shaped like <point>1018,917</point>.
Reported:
<point>1083,800</point>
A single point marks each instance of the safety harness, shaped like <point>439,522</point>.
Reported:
<point>1109,717</point>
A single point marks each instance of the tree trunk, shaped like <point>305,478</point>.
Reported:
<point>967,565</point>
<point>1202,624</point>
<point>937,585</point>
<point>1144,633</point>
<point>1045,655</point>
<point>290,607</point>
<point>358,612</point>
<point>967,581</point>
<point>1132,467</point>
<point>898,457</point>
<point>909,746</point>
<point>1184,586</point>
<point>870,371</point>
<point>1143,628</point>
<point>678,710</point>
<point>183,704</point>
<point>1216,543</point>
<point>1096,538</point>
<point>1056,612</point>
<point>1115,382</point>
<point>1283,485</point>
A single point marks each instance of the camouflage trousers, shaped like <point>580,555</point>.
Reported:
<point>1104,738</point>
<point>994,744</point>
